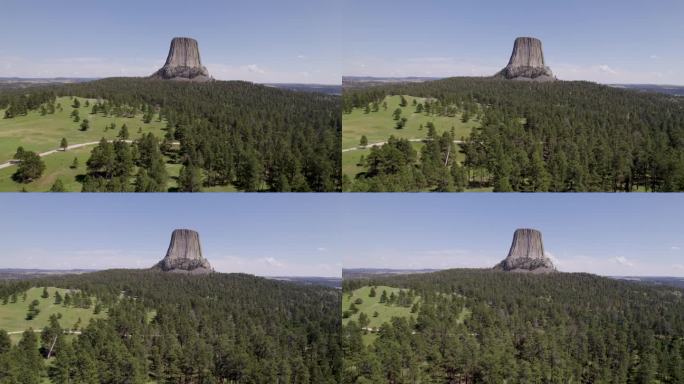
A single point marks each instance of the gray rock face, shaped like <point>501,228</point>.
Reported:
<point>527,62</point>
<point>184,254</point>
<point>183,62</point>
<point>526,254</point>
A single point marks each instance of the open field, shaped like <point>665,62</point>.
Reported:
<point>43,133</point>
<point>13,315</point>
<point>380,125</point>
<point>370,305</point>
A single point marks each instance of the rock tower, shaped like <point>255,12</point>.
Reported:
<point>184,254</point>
<point>527,62</point>
<point>183,62</point>
<point>526,254</point>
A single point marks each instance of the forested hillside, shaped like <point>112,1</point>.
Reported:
<point>252,136</point>
<point>522,328</point>
<point>556,136</point>
<point>177,328</point>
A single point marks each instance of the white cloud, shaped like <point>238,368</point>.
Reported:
<point>605,68</point>
<point>322,249</point>
<point>622,260</point>
<point>301,57</point>
<point>255,69</point>
<point>675,248</point>
<point>272,262</point>
<point>654,57</point>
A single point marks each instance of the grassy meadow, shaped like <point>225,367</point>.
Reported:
<point>43,133</point>
<point>379,126</point>
<point>370,305</point>
<point>13,315</point>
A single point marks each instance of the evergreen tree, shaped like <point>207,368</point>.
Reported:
<point>30,167</point>
<point>190,179</point>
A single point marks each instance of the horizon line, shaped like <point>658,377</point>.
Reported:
<point>489,76</point>
<point>143,269</point>
<point>144,77</point>
<point>491,268</point>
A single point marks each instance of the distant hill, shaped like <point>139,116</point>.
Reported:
<point>22,274</point>
<point>356,273</point>
<point>367,81</point>
<point>25,82</point>
<point>676,90</point>
<point>18,82</point>
<point>332,282</point>
<point>328,89</point>
<point>677,282</point>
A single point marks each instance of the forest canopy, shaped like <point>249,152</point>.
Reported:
<point>203,329</point>
<point>522,328</point>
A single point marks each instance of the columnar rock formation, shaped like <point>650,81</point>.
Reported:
<point>183,62</point>
<point>184,254</point>
<point>526,254</point>
<point>527,62</point>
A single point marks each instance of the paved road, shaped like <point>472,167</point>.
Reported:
<point>75,146</point>
<point>384,142</point>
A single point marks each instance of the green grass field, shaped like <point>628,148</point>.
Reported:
<point>13,315</point>
<point>371,305</point>
<point>43,133</point>
<point>378,126</point>
<point>57,166</point>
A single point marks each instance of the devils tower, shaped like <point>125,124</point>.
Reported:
<point>527,62</point>
<point>183,62</point>
<point>526,254</point>
<point>184,254</point>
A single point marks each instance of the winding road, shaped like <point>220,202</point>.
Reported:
<point>384,142</point>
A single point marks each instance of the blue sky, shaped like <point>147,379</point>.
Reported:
<point>256,40</point>
<point>606,234</point>
<point>608,41</point>
<point>262,234</point>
